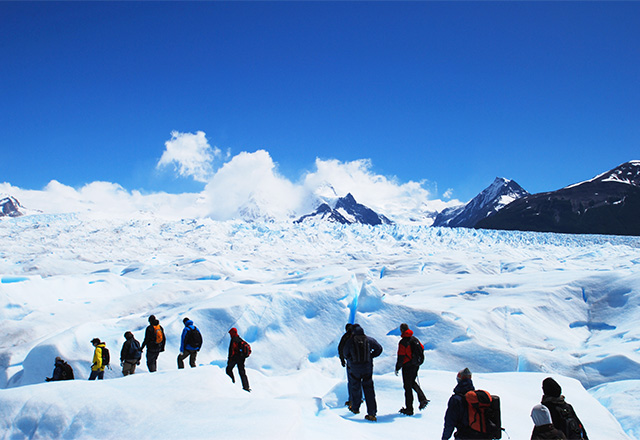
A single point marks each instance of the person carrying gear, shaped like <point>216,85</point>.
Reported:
<point>154,340</point>
<point>410,357</point>
<point>239,351</point>
<point>190,343</point>
<point>130,354</point>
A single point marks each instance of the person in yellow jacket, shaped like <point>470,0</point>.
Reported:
<point>97,368</point>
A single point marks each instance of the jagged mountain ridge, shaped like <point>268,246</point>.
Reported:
<point>10,207</point>
<point>493,198</point>
<point>607,204</point>
<point>346,211</point>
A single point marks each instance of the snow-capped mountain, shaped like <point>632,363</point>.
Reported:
<point>346,211</point>
<point>10,207</point>
<point>493,198</point>
<point>607,204</point>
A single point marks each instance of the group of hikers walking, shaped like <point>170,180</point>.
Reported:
<point>470,414</point>
<point>155,341</point>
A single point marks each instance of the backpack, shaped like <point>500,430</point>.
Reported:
<point>572,427</point>
<point>484,413</point>
<point>194,338</point>
<point>67,372</point>
<point>106,357</point>
<point>361,350</point>
<point>159,335</point>
<point>244,348</point>
<point>417,351</point>
<point>134,350</point>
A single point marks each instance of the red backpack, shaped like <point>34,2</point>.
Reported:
<point>484,413</point>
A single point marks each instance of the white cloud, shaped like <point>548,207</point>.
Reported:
<point>190,154</point>
<point>250,181</point>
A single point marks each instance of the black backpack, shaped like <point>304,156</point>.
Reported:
<point>361,350</point>
<point>193,338</point>
<point>67,372</point>
<point>106,357</point>
<point>244,348</point>
<point>572,427</point>
<point>417,351</point>
<point>134,349</point>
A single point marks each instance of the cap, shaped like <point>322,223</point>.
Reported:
<point>464,374</point>
<point>95,341</point>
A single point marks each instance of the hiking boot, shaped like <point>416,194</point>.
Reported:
<point>370,418</point>
<point>347,403</point>
<point>406,412</point>
<point>424,404</point>
<point>353,410</point>
<point>248,390</point>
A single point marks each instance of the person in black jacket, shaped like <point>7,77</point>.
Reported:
<point>544,429</point>
<point>130,354</point>
<point>61,371</point>
<point>343,361</point>
<point>154,340</point>
<point>359,352</point>
<point>239,350</point>
<point>562,414</point>
<point>410,357</point>
<point>457,412</point>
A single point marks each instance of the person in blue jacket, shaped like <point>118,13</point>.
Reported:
<point>190,343</point>
<point>359,352</point>
<point>457,411</point>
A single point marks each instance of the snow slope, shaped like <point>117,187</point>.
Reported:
<point>514,307</point>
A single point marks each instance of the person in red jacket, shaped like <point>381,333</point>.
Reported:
<point>239,351</point>
<point>410,357</point>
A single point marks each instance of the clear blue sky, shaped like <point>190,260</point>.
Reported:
<point>457,93</point>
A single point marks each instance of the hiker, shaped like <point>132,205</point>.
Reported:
<point>190,343</point>
<point>457,412</point>
<point>359,352</point>
<point>99,359</point>
<point>410,357</point>
<point>154,340</point>
<point>130,354</point>
<point>343,361</point>
<point>563,416</point>
<point>61,371</point>
<point>544,429</point>
<point>239,351</point>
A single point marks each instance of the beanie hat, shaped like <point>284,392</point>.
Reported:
<point>128,335</point>
<point>464,374</point>
<point>152,318</point>
<point>404,327</point>
<point>541,415</point>
<point>551,388</point>
<point>95,341</point>
<point>347,327</point>
<point>184,321</point>
<point>233,332</point>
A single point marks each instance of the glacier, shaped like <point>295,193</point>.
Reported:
<point>514,307</point>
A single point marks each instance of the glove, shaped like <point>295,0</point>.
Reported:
<point>397,372</point>
<point>122,363</point>
<point>344,364</point>
<point>181,354</point>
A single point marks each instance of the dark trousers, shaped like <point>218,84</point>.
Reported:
<point>241,371</point>
<point>410,383</point>
<point>359,382</point>
<point>187,354</point>
<point>96,375</point>
<point>349,384</point>
<point>152,360</point>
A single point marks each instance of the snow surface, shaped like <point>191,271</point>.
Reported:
<point>514,307</point>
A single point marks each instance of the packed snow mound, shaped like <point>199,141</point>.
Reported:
<point>496,302</point>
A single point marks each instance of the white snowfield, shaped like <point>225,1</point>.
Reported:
<point>513,307</point>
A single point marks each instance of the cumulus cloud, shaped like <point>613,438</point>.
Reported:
<point>249,183</point>
<point>190,154</point>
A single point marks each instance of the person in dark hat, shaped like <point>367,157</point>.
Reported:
<point>544,429</point>
<point>130,354</point>
<point>563,415</point>
<point>61,371</point>
<point>457,411</point>
<point>410,357</point>
<point>239,351</point>
<point>190,343</point>
<point>343,361</point>
<point>154,340</point>
<point>98,366</point>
